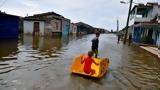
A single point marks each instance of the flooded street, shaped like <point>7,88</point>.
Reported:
<point>43,63</point>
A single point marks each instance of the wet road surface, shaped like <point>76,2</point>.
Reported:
<point>38,63</point>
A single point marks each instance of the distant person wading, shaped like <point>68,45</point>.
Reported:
<point>130,39</point>
<point>118,38</point>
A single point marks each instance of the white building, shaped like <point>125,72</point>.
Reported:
<point>144,13</point>
<point>73,28</point>
<point>33,26</point>
<point>144,24</point>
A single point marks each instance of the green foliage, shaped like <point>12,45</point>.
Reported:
<point>144,39</point>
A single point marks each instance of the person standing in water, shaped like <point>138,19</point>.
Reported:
<point>130,39</point>
<point>95,42</point>
<point>118,38</point>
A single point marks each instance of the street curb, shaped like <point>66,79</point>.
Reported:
<point>150,52</point>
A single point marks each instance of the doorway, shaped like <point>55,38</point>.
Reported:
<point>36,28</point>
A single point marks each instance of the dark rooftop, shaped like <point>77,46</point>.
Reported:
<point>33,19</point>
<point>4,13</point>
<point>48,13</point>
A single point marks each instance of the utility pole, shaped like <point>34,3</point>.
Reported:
<point>126,32</point>
<point>117,25</point>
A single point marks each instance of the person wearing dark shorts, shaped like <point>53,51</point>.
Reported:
<point>130,39</point>
<point>95,42</point>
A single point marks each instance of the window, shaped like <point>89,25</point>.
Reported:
<point>56,24</point>
<point>74,29</point>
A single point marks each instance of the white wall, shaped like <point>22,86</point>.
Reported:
<point>42,24</point>
<point>73,28</point>
<point>28,27</point>
<point>158,40</point>
<point>153,12</point>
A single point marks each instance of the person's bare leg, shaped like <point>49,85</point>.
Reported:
<point>92,72</point>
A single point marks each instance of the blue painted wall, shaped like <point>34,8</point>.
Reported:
<point>158,38</point>
<point>9,26</point>
<point>66,27</point>
<point>70,29</point>
<point>137,34</point>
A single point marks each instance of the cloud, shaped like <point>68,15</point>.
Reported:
<point>99,13</point>
<point>31,5</point>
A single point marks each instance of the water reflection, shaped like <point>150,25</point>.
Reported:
<point>35,44</point>
<point>51,43</point>
<point>8,54</point>
<point>41,47</point>
<point>8,48</point>
<point>137,70</point>
<point>43,63</point>
<point>44,44</point>
<point>65,39</point>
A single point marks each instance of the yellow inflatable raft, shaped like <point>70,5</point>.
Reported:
<point>78,68</point>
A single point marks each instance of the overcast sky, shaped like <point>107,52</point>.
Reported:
<point>98,13</point>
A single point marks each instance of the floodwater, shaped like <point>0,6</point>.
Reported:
<point>43,63</point>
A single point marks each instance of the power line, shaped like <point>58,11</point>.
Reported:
<point>3,3</point>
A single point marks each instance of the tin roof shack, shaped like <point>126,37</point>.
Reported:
<point>101,30</point>
<point>9,25</point>
<point>83,28</point>
<point>33,26</point>
<point>53,24</point>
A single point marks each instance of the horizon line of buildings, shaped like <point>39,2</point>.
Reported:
<point>43,24</point>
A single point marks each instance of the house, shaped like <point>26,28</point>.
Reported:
<point>83,28</point>
<point>9,25</point>
<point>33,26</point>
<point>144,24</point>
<point>55,24</point>
<point>101,30</point>
<point>73,28</point>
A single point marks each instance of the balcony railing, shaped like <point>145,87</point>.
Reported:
<point>138,19</point>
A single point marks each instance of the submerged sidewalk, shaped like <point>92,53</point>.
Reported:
<point>152,50</point>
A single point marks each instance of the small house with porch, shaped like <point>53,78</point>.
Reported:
<point>33,26</point>
<point>54,24</point>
